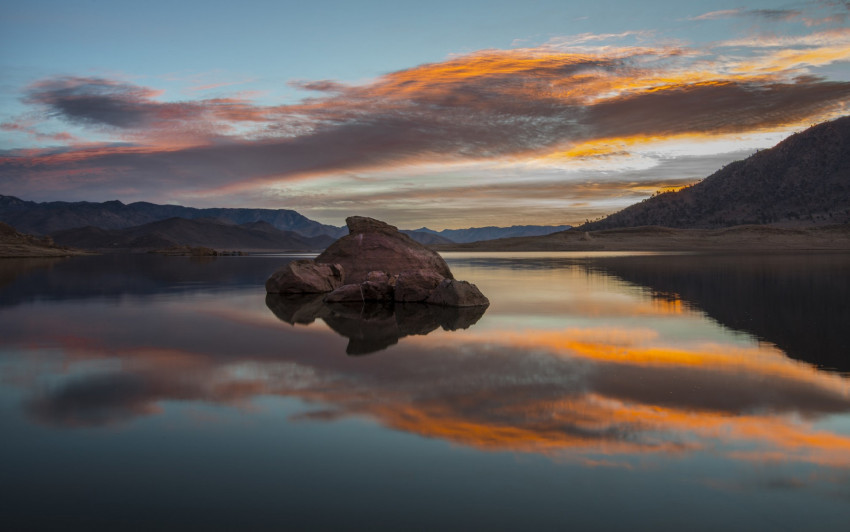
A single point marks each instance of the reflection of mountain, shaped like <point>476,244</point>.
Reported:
<point>796,302</point>
<point>372,326</point>
<point>12,269</point>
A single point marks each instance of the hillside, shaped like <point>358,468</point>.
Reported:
<point>181,232</point>
<point>14,244</point>
<point>653,238</point>
<point>802,181</point>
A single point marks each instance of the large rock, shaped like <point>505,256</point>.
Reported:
<point>372,245</point>
<point>416,285</point>
<point>305,277</point>
<point>376,263</point>
<point>452,293</point>
<point>378,286</point>
<point>376,291</point>
<point>347,293</point>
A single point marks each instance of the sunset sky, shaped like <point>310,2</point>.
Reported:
<point>447,114</point>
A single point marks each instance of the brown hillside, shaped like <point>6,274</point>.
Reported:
<point>15,245</point>
<point>803,180</point>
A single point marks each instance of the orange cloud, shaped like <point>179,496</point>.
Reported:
<point>492,105</point>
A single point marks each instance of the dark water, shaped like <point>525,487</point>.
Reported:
<point>596,392</point>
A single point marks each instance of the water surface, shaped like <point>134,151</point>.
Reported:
<point>612,391</point>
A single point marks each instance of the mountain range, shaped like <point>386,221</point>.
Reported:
<point>802,181</point>
<point>49,217</point>
<point>173,232</point>
<point>113,224</point>
<point>475,234</point>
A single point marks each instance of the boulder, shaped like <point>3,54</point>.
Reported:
<point>372,245</point>
<point>452,293</point>
<point>416,285</point>
<point>379,277</point>
<point>347,293</point>
<point>377,287</point>
<point>305,277</point>
<point>377,263</point>
<point>376,291</point>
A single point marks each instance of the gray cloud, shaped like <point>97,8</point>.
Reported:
<point>784,15</point>
<point>99,101</point>
<point>776,14</point>
<point>478,107</point>
<point>104,102</point>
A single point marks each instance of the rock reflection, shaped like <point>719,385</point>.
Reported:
<point>372,326</point>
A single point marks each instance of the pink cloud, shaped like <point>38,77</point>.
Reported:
<point>481,106</point>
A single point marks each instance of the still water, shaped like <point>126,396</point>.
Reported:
<point>619,392</point>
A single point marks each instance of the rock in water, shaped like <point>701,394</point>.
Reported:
<point>451,293</point>
<point>416,285</point>
<point>347,293</point>
<point>372,245</point>
<point>305,277</point>
<point>376,263</point>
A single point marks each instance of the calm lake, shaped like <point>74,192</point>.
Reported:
<point>598,391</point>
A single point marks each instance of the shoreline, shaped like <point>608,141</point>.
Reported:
<point>652,238</point>
<point>736,239</point>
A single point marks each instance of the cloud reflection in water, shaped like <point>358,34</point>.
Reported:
<point>601,384</point>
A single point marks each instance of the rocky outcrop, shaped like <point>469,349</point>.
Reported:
<point>372,245</point>
<point>347,293</point>
<point>305,277</point>
<point>416,285</point>
<point>452,293</point>
<point>15,244</point>
<point>376,263</point>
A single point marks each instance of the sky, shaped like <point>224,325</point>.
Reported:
<point>445,114</point>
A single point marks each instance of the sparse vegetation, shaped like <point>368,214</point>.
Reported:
<point>804,180</point>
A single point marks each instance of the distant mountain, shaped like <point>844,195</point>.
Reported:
<point>426,238</point>
<point>803,180</point>
<point>182,232</point>
<point>49,217</point>
<point>476,234</point>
